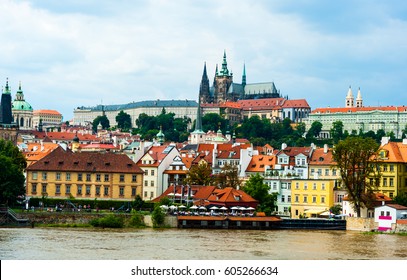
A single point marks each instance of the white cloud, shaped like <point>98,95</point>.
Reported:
<point>85,52</point>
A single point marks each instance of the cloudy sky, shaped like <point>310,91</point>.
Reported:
<point>84,53</point>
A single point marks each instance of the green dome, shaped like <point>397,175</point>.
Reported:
<point>21,105</point>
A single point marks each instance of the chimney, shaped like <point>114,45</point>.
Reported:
<point>385,140</point>
<point>325,148</point>
<point>283,146</point>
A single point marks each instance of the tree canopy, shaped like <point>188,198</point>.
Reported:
<point>228,177</point>
<point>355,159</point>
<point>123,121</point>
<point>12,165</point>
<point>103,120</point>
<point>200,174</point>
<point>256,188</point>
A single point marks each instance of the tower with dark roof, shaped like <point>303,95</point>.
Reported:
<point>204,91</point>
<point>8,128</point>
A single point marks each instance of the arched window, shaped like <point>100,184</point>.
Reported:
<point>22,121</point>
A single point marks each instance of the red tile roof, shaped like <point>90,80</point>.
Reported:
<point>358,109</point>
<point>259,162</point>
<point>61,160</point>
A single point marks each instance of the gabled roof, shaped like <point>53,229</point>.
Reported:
<point>395,206</point>
<point>61,160</point>
<point>228,197</point>
<point>295,103</point>
<point>258,163</point>
<point>319,157</point>
<point>294,151</point>
<point>397,152</point>
<point>157,153</point>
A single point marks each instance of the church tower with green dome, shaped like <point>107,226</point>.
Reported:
<point>22,111</point>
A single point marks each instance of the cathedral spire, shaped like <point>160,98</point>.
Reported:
<point>244,75</point>
<point>204,95</point>
<point>224,70</point>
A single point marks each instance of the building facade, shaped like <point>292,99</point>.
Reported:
<point>181,108</point>
<point>64,174</point>
<point>22,111</point>
<point>356,118</point>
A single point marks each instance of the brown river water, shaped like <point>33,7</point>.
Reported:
<point>197,244</point>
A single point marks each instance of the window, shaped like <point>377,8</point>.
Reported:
<point>121,191</point>
<point>97,190</point>
<point>314,199</point>
<point>133,191</point>
<point>79,189</point>
<point>333,172</point>
<point>305,186</point>
<point>87,189</point>
<point>391,182</point>
<point>387,213</point>
<point>145,194</point>
<point>97,177</point>
<point>88,177</point>
<point>323,186</point>
<point>288,198</point>
<point>146,172</point>
<point>282,198</point>
<point>44,175</point>
<point>67,189</point>
<point>57,189</point>
<point>152,172</point>
<point>79,176</point>
<point>297,185</point>
<point>44,188</point>
<point>68,176</point>
<point>312,171</point>
<point>58,176</point>
<point>323,199</point>
<point>106,191</point>
<point>151,194</point>
<point>121,178</point>
<point>152,184</point>
<point>145,183</point>
<point>35,175</point>
<point>314,186</point>
<point>134,178</point>
<point>384,182</point>
<point>327,172</point>
<point>305,200</point>
<point>34,188</point>
<point>274,186</point>
<point>106,177</point>
<point>384,167</point>
<point>391,166</point>
<point>319,171</point>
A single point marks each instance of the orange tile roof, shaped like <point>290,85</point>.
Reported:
<point>397,152</point>
<point>45,111</point>
<point>318,157</point>
<point>258,163</point>
<point>64,136</point>
<point>261,104</point>
<point>157,153</point>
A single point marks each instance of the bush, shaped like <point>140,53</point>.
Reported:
<point>109,221</point>
<point>158,217</point>
<point>136,220</point>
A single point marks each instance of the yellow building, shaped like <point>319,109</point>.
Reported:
<point>322,166</point>
<point>393,168</point>
<point>310,197</point>
<point>64,174</point>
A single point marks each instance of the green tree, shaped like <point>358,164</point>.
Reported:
<point>211,121</point>
<point>200,174</point>
<point>123,120</point>
<point>228,177</point>
<point>103,120</point>
<point>314,130</point>
<point>138,202</point>
<point>355,160</point>
<point>337,131</point>
<point>158,216</point>
<point>256,188</point>
<point>12,166</point>
<point>401,199</point>
<point>300,130</point>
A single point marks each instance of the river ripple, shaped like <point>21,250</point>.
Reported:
<point>196,244</point>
